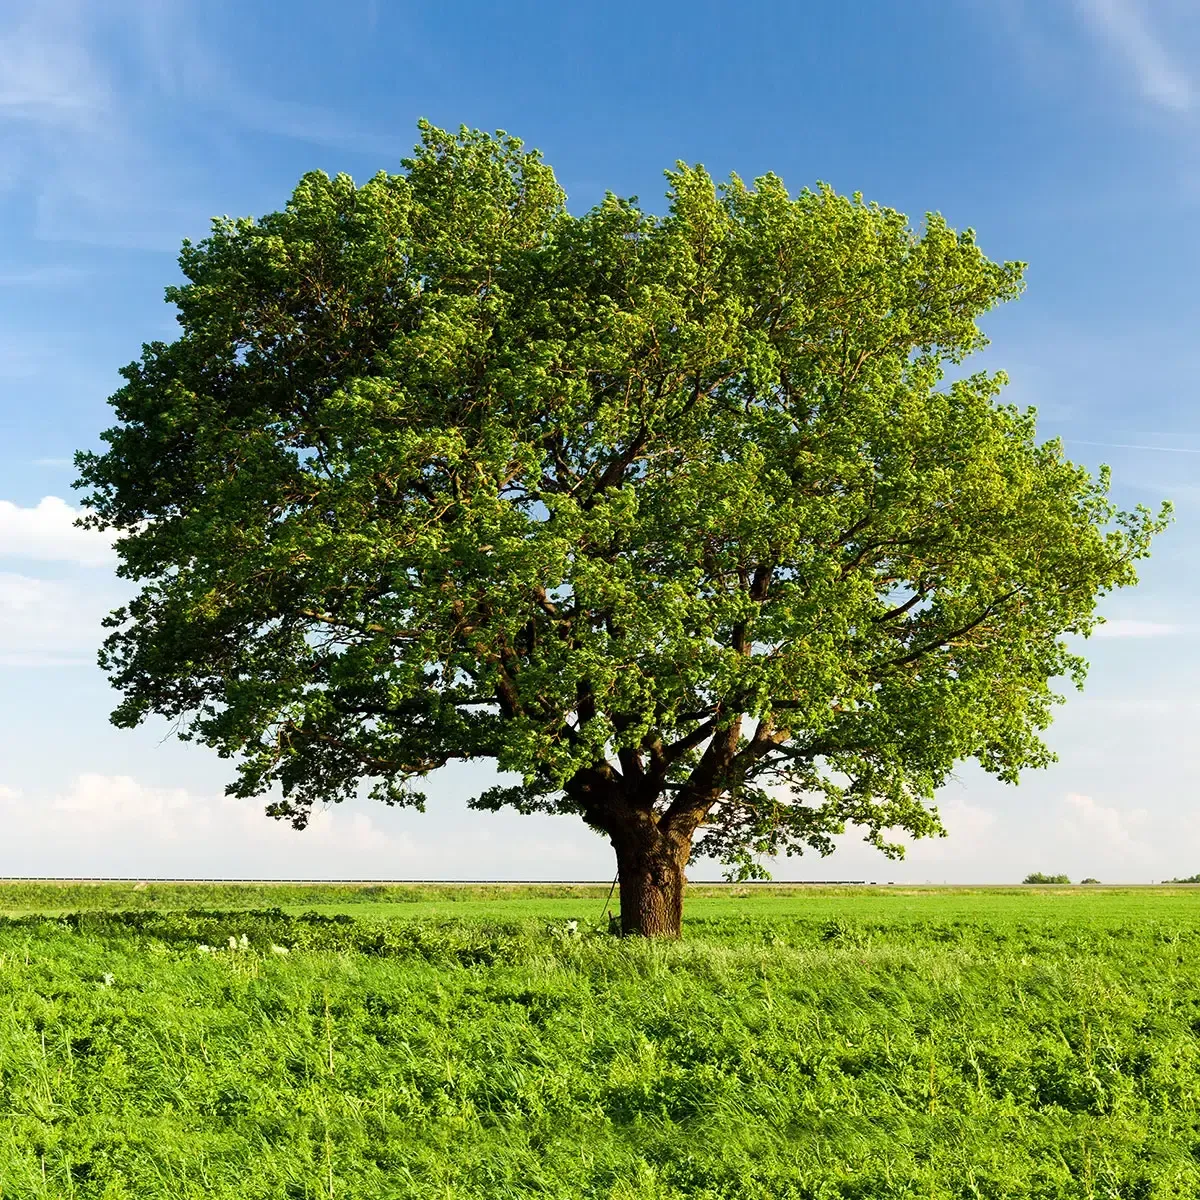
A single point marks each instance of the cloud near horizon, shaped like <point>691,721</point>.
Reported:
<point>114,825</point>
<point>1107,834</point>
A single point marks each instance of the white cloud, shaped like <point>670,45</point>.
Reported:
<point>50,622</point>
<point>1125,26</point>
<point>1135,629</point>
<point>106,825</point>
<point>112,825</point>
<point>969,849</point>
<point>1108,832</point>
<point>970,836</point>
<point>44,658</point>
<point>47,532</point>
<point>969,825</point>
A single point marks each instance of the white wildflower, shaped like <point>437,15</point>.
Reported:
<point>204,949</point>
<point>232,942</point>
<point>109,980</point>
<point>278,949</point>
<point>245,942</point>
<point>572,928</point>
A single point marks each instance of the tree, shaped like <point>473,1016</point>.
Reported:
<point>1039,877</point>
<point>674,518</point>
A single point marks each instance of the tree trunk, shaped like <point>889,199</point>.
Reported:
<point>650,872</point>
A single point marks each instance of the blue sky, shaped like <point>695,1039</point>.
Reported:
<point>1066,132</point>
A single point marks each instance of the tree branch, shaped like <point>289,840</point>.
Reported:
<point>901,609</point>
<point>952,634</point>
<point>676,750</point>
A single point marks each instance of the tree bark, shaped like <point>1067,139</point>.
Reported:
<point>650,871</point>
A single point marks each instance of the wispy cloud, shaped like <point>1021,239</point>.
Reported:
<point>1135,629</point>
<point>71,141</point>
<point>51,275</point>
<point>82,129</point>
<point>186,68</point>
<point>1135,446</point>
<point>970,833</point>
<point>46,79</point>
<point>1125,26</point>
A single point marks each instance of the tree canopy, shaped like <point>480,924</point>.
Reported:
<point>678,519</point>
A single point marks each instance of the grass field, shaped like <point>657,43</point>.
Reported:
<point>470,1042</point>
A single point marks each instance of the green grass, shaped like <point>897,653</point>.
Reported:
<point>551,901</point>
<point>464,1043</point>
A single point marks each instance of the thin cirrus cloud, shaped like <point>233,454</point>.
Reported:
<point>1135,629</point>
<point>49,81</point>
<point>65,139</point>
<point>47,275</point>
<point>185,67</point>
<point>1136,446</point>
<point>1127,28</point>
<point>78,136</point>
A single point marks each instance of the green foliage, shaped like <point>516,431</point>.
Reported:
<point>1038,877</point>
<point>1189,879</point>
<point>843,1045</point>
<point>670,513</point>
<point>1089,879</point>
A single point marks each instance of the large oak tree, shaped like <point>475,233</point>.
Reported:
<point>674,518</point>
